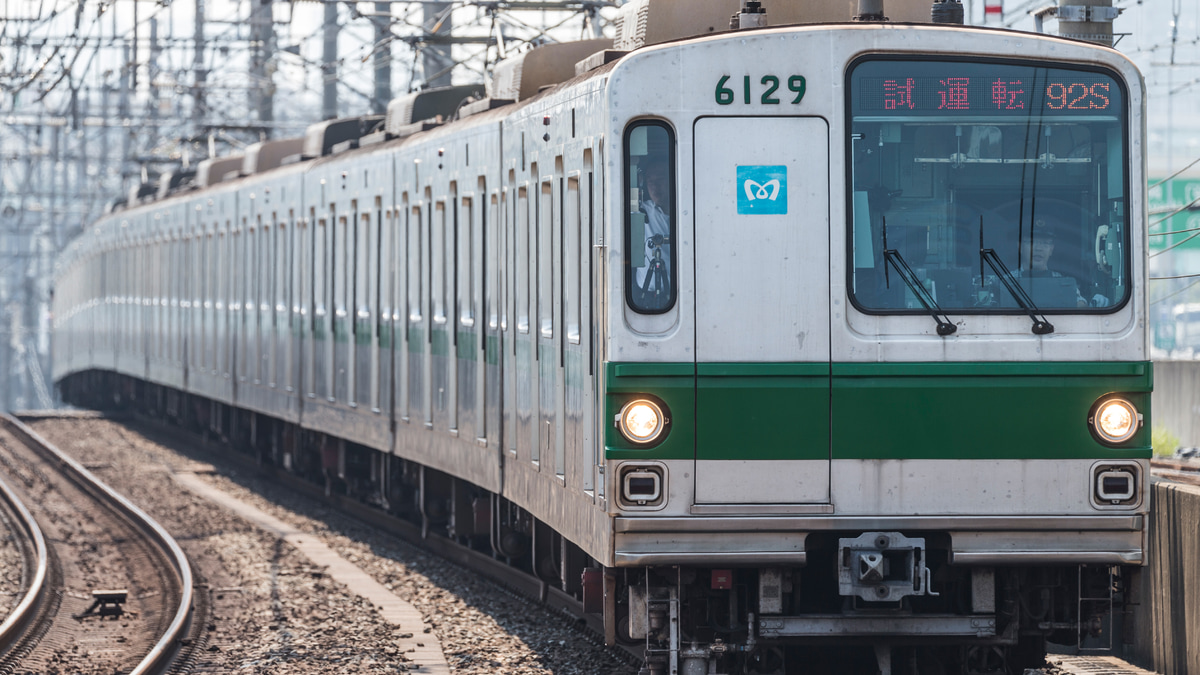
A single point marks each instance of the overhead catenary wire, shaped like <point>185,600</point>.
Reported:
<point>1173,293</point>
<point>1178,243</point>
<point>1163,234</point>
<point>1172,214</point>
<point>1176,174</point>
<point>1176,276</point>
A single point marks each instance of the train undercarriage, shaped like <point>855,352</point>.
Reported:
<point>872,602</point>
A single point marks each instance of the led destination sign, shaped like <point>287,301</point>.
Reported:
<point>913,87</point>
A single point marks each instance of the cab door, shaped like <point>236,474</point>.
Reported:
<point>762,311</point>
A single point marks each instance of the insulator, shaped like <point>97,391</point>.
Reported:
<point>947,11</point>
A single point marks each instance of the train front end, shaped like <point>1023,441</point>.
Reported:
<point>878,367</point>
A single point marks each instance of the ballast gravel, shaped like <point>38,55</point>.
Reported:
<point>11,565</point>
<point>274,612</point>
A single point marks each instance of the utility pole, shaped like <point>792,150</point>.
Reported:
<point>132,63</point>
<point>81,179</point>
<point>262,44</point>
<point>329,69</point>
<point>12,212</point>
<point>383,57</point>
<point>199,74</point>
<point>105,140</point>
<point>123,112</point>
<point>436,58</point>
<point>39,335</point>
<point>152,71</point>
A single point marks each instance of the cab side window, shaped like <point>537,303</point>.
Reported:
<point>650,217</point>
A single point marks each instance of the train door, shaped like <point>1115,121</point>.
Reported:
<point>762,310</point>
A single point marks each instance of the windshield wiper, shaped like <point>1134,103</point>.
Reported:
<point>910,279</point>
<point>1041,326</point>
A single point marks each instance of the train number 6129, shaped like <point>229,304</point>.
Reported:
<point>770,83</point>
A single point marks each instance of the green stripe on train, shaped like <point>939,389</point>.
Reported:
<point>981,410</point>
<point>467,347</point>
<point>878,411</point>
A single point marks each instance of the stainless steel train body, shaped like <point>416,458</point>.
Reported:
<point>876,420</point>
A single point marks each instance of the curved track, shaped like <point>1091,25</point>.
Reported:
<point>104,549</point>
<point>273,603</point>
<point>515,580</point>
<point>36,558</point>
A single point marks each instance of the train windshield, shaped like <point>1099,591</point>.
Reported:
<point>978,184</point>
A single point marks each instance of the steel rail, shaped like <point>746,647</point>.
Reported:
<point>15,624</point>
<point>164,650</point>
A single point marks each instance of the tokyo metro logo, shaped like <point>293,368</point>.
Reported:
<point>762,190</point>
<point>755,191</point>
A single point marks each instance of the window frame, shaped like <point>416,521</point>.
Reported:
<point>629,275</point>
<point>1125,115</point>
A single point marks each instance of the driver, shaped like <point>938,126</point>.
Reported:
<point>655,277</point>
<point>1041,248</point>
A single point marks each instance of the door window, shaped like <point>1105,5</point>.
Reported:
<point>650,217</point>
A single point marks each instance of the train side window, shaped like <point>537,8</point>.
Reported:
<point>476,259</point>
<point>364,270</point>
<point>650,217</point>
<point>522,263</point>
<point>400,269</point>
<point>545,258</point>
<point>415,253</point>
<point>491,246</point>
<point>243,290</point>
<point>342,260</point>
<point>203,299</point>
<point>282,303</point>
<point>224,288</point>
<point>573,257</point>
<point>378,275</point>
<point>385,268</point>
<point>465,264</point>
<point>508,299</point>
<point>440,235</point>
<point>319,263</point>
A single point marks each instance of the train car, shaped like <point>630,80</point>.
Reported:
<point>763,343</point>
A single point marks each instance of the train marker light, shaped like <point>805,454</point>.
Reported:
<point>641,421</point>
<point>641,487</point>
<point>1114,486</point>
<point>1115,420</point>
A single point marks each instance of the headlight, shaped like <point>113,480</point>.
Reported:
<point>1115,420</point>
<point>641,421</point>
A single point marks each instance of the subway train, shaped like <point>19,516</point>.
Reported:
<point>784,347</point>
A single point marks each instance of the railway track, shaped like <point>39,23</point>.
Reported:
<point>298,620</point>
<point>515,580</point>
<point>113,591</point>
<point>35,558</point>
